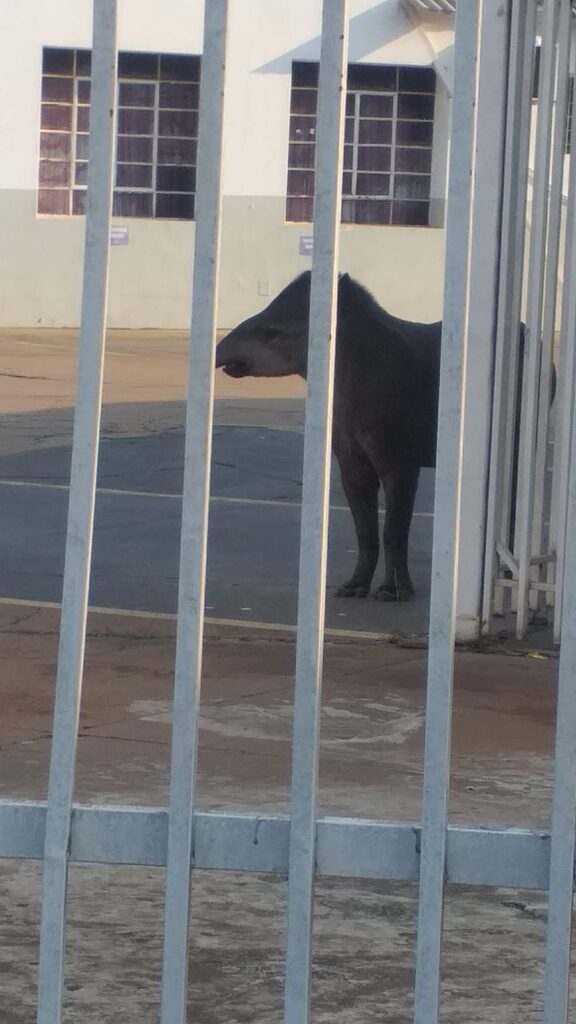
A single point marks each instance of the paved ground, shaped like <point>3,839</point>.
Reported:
<point>372,740</point>
<point>256,490</point>
<point>372,735</point>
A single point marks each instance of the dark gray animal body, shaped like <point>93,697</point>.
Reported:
<point>385,410</point>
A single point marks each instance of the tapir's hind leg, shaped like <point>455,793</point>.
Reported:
<point>400,487</point>
<point>361,485</point>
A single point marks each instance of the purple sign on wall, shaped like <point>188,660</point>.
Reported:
<point>306,245</point>
<point>118,235</point>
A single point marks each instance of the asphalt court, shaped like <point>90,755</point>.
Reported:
<point>253,550</point>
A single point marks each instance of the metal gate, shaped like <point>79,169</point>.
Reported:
<point>301,846</point>
<point>527,513</point>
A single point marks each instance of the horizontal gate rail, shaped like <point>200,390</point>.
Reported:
<point>345,847</point>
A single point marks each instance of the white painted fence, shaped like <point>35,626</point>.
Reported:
<point>528,503</point>
<point>301,846</point>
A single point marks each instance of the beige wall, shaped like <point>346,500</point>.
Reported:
<point>150,278</point>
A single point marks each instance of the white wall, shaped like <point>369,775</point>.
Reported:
<point>40,257</point>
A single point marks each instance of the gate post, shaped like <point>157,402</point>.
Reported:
<point>484,254</point>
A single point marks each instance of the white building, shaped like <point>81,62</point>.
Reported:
<point>395,158</point>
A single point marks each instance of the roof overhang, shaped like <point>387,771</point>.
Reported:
<point>447,6</point>
<point>433,6</point>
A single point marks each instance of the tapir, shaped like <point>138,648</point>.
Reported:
<point>384,416</point>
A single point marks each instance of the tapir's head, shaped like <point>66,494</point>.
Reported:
<point>274,343</point>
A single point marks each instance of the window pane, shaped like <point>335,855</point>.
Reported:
<point>366,211</point>
<point>60,90</point>
<point>176,179</point>
<point>414,133</point>
<point>132,149</point>
<point>176,68</point>
<point>304,101</point>
<point>55,116</point>
<point>136,122</point>
<point>83,90</point>
<point>347,183</point>
<point>349,129</point>
<point>177,151</point>
<point>177,122</point>
<point>83,119</point>
<point>176,206</point>
<point>376,106</point>
<point>54,145</point>
<point>410,213</point>
<point>375,131</point>
<point>304,73</point>
<point>180,97</point>
<point>417,80</point>
<point>301,155</point>
<point>83,63</point>
<point>134,175</point>
<point>302,129</point>
<point>299,209</point>
<point>81,176</point>
<point>132,94</point>
<point>137,65</point>
<point>413,159</point>
<point>54,172</point>
<point>351,103</point>
<point>372,76</point>
<point>58,62</point>
<point>374,158</point>
<point>411,186</point>
<point>348,157</point>
<point>82,147</point>
<point>417,107</point>
<point>79,199</point>
<point>53,200</point>
<point>373,184</point>
<point>300,183</point>
<point>132,204</point>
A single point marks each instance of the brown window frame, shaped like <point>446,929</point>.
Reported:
<point>156,134</point>
<point>388,144</point>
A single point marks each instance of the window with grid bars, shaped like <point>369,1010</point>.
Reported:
<point>387,149</point>
<point>157,133</point>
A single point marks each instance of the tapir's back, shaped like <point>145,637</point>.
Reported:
<point>387,374</point>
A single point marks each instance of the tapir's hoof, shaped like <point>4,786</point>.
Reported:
<point>351,589</point>
<point>394,592</point>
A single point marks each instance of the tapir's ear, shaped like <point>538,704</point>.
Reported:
<point>343,290</point>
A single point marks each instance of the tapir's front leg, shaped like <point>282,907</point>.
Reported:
<point>400,487</point>
<point>361,484</point>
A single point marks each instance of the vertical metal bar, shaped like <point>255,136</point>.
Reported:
<point>566,392</point>
<point>313,543</point>
<point>484,271</point>
<point>527,484</point>
<point>80,512</point>
<point>446,518</point>
<point>551,284</point>
<point>509,292</point>
<point>550,289</point>
<point>193,541</point>
<point>557,976</point>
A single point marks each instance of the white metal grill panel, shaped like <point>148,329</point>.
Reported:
<point>303,846</point>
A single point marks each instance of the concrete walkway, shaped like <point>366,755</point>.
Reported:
<point>371,765</point>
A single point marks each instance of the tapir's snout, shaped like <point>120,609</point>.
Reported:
<point>231,361</point>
